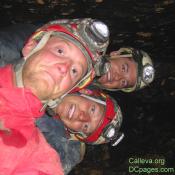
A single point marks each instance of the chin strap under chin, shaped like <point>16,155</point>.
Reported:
<point>18,67</point>
<point>18,73</point>
<point>50,103</point>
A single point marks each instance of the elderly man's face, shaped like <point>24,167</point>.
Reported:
<point>54,69</point>
<point>122,74</point>
<point>80,114</point>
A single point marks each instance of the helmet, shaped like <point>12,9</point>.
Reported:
<point>145,69</point>
<point>89,35</point>
<point>108,130</point>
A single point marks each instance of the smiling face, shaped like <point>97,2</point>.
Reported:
<point>122,74</point>
<point>80,114</point>
<point>54,69</point>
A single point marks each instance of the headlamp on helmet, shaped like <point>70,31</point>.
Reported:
<point>102,66</point>
<point>112,135</point>
<point>111,131</point>
<point>96,35</point>
<point>148,74</point>
<point>145,69</point>
<point>98,31</point>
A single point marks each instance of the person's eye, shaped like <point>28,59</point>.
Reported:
<point>92,109</point>
<point>124,83</point>
<point>125,68</point>
<point>85,128</point>
<point>74,72</point>
<point>60,51</point>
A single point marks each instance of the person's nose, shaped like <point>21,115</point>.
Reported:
<point>84,117</point>
<point>118,76</point>
<point>63,68</point>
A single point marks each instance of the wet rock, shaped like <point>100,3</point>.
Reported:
<point>41,2</point>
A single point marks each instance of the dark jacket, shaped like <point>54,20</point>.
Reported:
<point>55,134</point>
<point>12,39</point>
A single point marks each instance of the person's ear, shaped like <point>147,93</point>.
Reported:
<point>31,43</point>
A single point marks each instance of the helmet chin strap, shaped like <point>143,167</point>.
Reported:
<point>19,66</point>
<point>18,73</point>
<point>19,83</point>
<point>40,44</point>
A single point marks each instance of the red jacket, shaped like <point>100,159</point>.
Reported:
<point>23,149</point>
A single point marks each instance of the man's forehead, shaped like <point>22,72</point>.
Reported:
<point>100,115</point>
<point>133,73</point>
<point>71,45</point>
<point>120,58</point>
<point>60,39</point>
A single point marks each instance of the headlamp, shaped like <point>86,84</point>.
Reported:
<point>106,67</point>
<point>109,132</point>
<point>96,35</point>
<point>99,31</point>
<point>102,66</point>
<point>112,134</point>
<point>148,74</point>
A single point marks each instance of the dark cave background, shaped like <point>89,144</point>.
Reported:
<point>149,113</point>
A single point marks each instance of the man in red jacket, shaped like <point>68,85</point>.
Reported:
<point>57,60</point>
<point>22,147</point>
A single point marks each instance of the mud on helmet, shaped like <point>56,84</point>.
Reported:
<point>89,35</point>
<point>108,130</point>
<point>145,69</point>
